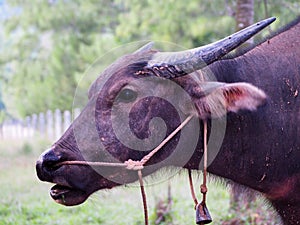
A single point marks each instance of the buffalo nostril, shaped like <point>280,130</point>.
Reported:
<point>46,164</point>
<point>49,159</point>
<point>42,172</point>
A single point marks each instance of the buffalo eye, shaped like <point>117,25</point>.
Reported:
<point>127,95</point>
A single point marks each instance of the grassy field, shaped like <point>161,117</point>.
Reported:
<point>25,200</point>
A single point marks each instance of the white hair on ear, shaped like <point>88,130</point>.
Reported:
<point>243,96</point>
<point>224,98</point>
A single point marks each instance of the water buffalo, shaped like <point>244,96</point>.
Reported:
<point>251,105</point>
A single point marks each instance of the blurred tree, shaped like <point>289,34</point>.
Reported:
<point>244,14</point>
<point>284,11</point>
<point>53,43</point>
<point>187,23</point>
<point>2,107</point>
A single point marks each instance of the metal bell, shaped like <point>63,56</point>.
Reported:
<point>202,214</point>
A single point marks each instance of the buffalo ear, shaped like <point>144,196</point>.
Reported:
<point>216,99</point>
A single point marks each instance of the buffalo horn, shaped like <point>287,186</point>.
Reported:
<point>175,64</point>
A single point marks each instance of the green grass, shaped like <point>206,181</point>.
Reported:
<point>25,200</point>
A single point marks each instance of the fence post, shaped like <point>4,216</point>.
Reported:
<point>49,122</point>
<point>27,127</point>
<point>34,124</point>
<point>19,128</point>
<point>41,124</point>
<point>67,119</point>
<point>58,125</point>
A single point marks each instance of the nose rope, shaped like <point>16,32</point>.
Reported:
<point>134,165</point>
<point>131,164</point>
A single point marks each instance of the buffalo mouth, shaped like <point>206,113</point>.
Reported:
<point>70,187</point>
<point>67,195</point>
<point>63,192</point>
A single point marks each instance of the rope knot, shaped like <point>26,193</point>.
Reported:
<point>133,165</point>
<point>203,189</point>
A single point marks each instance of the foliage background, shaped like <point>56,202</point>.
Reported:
<point>47,45</point>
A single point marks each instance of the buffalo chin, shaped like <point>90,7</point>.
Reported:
<point>68,196</point>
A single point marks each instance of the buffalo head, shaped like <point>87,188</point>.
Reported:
<point>133,105</point>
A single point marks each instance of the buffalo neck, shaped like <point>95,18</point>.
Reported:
<point>261,149</point>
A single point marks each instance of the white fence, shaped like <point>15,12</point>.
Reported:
<point>50,125</point>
